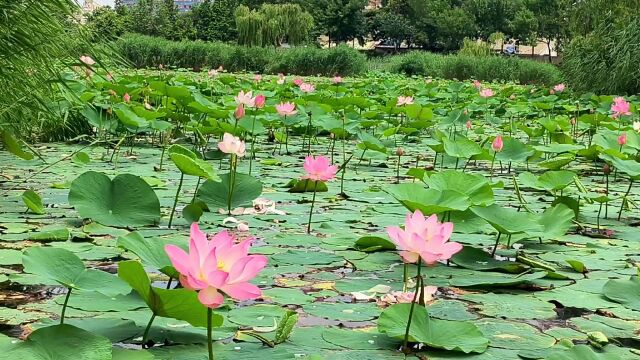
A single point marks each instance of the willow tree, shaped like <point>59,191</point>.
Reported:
<point>273,25</point>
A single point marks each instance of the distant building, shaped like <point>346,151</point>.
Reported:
<point>182,5</point>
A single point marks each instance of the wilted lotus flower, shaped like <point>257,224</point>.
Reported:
<point>307,88</point>
<point>486,93</point>
<point>87,60</point>
<point>399,297</point>
<point>286,109</point>
<point>404,100</point>
<point>232,145</point>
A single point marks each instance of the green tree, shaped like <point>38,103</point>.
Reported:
<point>551,22</point>
<point>273,25</point>
<point>215,20</point>
<point>104,23</point>
<point>341,20</point>
<point>494,16</point>
<point>385,24</point>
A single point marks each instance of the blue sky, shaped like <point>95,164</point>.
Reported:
<point>104,2</point>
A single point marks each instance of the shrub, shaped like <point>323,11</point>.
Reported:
<point>145,51</point>
<point>475,48</point>
<point>485,68</point>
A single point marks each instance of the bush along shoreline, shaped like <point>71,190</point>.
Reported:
<point>150,52</point>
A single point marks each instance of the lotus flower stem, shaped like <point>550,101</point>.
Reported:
<point>232,180</point>
<point>405,347</point>
<point>64,306</point>
<point>606,205</point>
<point>195,192</point>
<point>598,218</point>
<point>398,170</point>
<point>146,331</point>
<point>162,157</point>
<point>175,200</point>
<point>492,162</point>
<point>495,247</point>
<point>251,154</point>
<point>624,199</point>
<point>209,340</point>
<point>405,277</point>
<point>313,200</point>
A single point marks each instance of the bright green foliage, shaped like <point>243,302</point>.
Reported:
<point>273,25</point>
<point>214,20</point>
<point>125,200</point>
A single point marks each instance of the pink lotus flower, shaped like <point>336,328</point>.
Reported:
<point>337,80</point>
<point>298,82</point>
<point>286,109</point>
<point>246,99</point>
<point>319,168</point>
<point>109,76</point>
<point>239,113</point>
<point>212,73</point>
<point>126,97</point>
<point>468,125</point>
<point>281,79</point>
<point>559,88</point>
<point>217,266</point>
<point>477,84</point>
<point>424,238</point>
<point>257,78</point>
<point>307,88</point>
<point>622,139</point>
<point>405,100</point>
<point>486,93</point>
<point>259,101</point>
<point>87,60</point>
<point>620,107</point>
<point>497,144</point>
<point>232,145</point>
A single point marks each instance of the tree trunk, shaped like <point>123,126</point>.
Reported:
<point>549,48</point>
